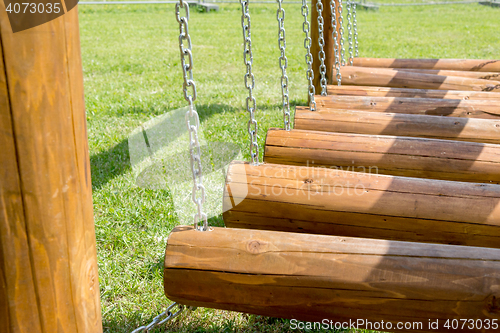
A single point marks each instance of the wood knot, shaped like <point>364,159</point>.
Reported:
<point>497,125</point>
<point>255,246</point>
<point>373,103</point>
<point>493,304</point>
<point>308,181</point>
<point>466,97</point>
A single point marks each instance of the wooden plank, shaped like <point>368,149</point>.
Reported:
<point>312,277</point>
<point>385,77</point>
<point>410,93</point>
<point>473,75</point>
<point>346,203</point>
<point>391,155</point>
<point>48,128</point>
<point>399,124</point>
<point>426,106</point>
<point>439,64</point>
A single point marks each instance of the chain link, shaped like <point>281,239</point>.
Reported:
<point>192,118</point>
<point>341,31</point>
<point>349,31</point>
<point>161,319</point>
<point>335,42</point>
<point>283,62</point>
<point>309,60</point>
<point>321,42</point>
<point>251,103</point>
<point>355,27</point>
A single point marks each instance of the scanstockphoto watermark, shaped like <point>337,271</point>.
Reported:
<point>327,324</point>
<point>428,325</point>
<point>312,182</point>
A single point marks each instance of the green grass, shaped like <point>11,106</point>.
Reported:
<point>132,74</point>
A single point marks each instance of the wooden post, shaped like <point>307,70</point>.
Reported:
<point>313,277</point>
<point>328,48</point>
<point>48,263</point>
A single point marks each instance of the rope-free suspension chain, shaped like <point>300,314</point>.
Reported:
<point>321,42</point>
<point>335,42</point>
<point>355,28</point>
<point>162,318</point>
<point>192,118</point>
<point>283,62</point>
<point>350,32</point>
<point>309,60</point>
<point>251,103</point>
<point>341,32</point>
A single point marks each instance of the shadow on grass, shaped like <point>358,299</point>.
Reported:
<point>115,161</point>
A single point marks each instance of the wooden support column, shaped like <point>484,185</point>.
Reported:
<point>328,48</point>
<point>48,263</point>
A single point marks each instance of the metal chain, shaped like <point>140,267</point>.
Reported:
<point>355,27</point>
<point>321,42</point>
<point>161,319</point>
<point>283,62</point>
<point>341,31</point>
<point>192,126</point>
<point>251,103</point>
<point>349,31</point>
<point>309,59</point>
<point>335,42</point>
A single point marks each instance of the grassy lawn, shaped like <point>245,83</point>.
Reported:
<point>132,74</point>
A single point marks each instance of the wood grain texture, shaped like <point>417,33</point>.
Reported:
<point>345,203</point>
<point>385,77</point>
<point>426,106</point>
<point>328,47</point>
<point>399,124</point>
<point>19,309</point>
<point>45,88</point>
<point>312,277</point>
<point>411,93</point>
<point>439,64</point>
<point>473,75</point>
<point>390,155</point>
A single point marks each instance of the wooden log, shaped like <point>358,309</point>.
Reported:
<point>390,155</point>
<point>440,64</point>
<point>328,47</point>
<point>345,203</point>
<point>313,277</point>
<point>411,93</point>
<point>384,77</point>
<point>427,106</point>
<point>398,124</point>
<point>473,75</point>
<point>47,242</point>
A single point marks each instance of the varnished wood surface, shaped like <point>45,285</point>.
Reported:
<point>47,125</point>
<point>391,155</point>
<point>386,77</point>
<point>411,93</point>
<point>425,106</point>
<point>399,124</point>
<point>439,64</point>
<point>19,310</point>
<point>470,74</point>
<point>312,277</point>
<point>345,203</point>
